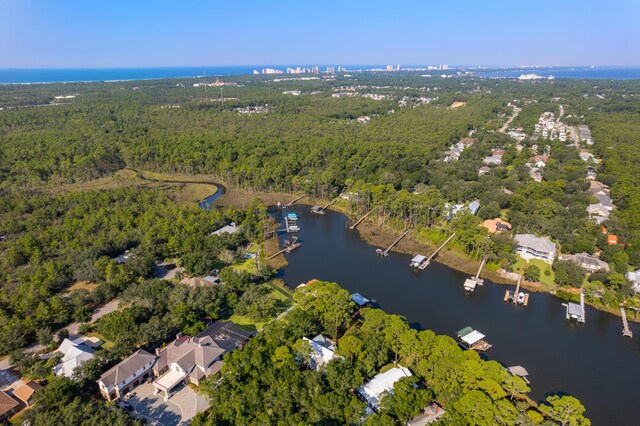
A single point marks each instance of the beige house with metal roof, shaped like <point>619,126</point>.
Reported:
<point>128,374</point>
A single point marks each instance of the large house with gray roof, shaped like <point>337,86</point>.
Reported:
<point>587,261</point>
<point>124,377</point>
<point>528,246</point>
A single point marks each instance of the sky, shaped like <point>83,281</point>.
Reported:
<point>142,33</point>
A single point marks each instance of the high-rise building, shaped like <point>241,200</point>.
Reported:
<point>389,67</point>
<point>398,67</point>
<point>331,70</point>
<point>316,70</point>
<point>444,67</point>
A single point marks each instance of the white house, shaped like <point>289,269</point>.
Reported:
<point>232,228</point>
<point>634,278</point>
<point>322,351</point>
<point>75,353</point>
<point>531,247</point>
<point>374,390</point>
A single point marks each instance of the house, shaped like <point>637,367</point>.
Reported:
<point>634,278</point>
<point>612,240</point>
<point>364,119</point>
<point>25,392</point>
<point>474,206</point>
<point>483,170</point>
<point>496,225</point>
<point>598,212</point>
<point>587,156</point>
<point>373,391</point>
<point>227,335</point>
<point>8,406</point>
<point>431,413</point>
<point>536,174</point>
<point>587,261</point>
<point>123,258</point>
<point>539,161</point>
<point>232,228</point>
<point>591,175</point>
<point>185,360</point>
<point>493,160</point>
<point>531,247</point>
<point>76,353</point>
<point>321,351</point>
<point>604,199</point>
<point>126,375</point>
<point>596,186</point>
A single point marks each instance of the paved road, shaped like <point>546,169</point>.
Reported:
<point>73,328</point>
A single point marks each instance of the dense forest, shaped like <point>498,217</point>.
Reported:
<point>57,230</point>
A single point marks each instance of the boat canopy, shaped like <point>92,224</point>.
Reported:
<point>464,331</point>
<point>359,299</point>
<point>418,259</point>
<point>472,338</point>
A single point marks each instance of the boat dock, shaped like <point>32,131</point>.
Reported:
<point>418,261</point>
<point>518,297</point>
<point>519,371</point>
<point>430,258</point>
<point>471,283</point>
<point>289,246</point>
<point>473,339</point>
<point>293,201</point>
<point>291,223</point>
<point>352,227</point>
<point>626,331</point>
<point>393,244</point>
<point>576,311</point>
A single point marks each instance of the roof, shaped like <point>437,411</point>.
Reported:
<point>189,352</point>
<point>359,299</point>
<point>496,225</point>
<point>320,354</point>
<point>229,229</point>
<point>474,206</point>
<point>586,259</point>
<point>226,334</point>
<point>539,244</point>
<point>418,258</point>
<point>26,391</point>
<point>474,337</point>
<point>612,239</point>
<point>518,370</point>
<point>464,331</point>
<point>634,276</point>
<point>373,390</point>
<point>430,414</point>
<point>574,309</point>
<point>7,403</point>
<point>127,367</point>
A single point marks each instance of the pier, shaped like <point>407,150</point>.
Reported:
<point>576,311</point>
<point>518,297</point>
<point>321,209</point>
<point>626,331</point>
<point>352,227</point>
<point>293,201</point>
<point>291,223</point>
<point>289,246</point>
<point>393,244</point>
<point>430,258</point>
<point>471,283</point>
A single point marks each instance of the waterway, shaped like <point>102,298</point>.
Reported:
<point>208,202</point>
<point>592,362</point>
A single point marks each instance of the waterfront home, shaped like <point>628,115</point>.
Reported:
<point>126,375</point>
<point>373,391</point>
<point>232,228</point>
<point>496,225</point>
<point>321,351</point>
<point>227,335</point>
<point>185,360</point>
<point>531,247</point>
<point>76,353</point>
<point>587,261</point>
<point>634,278</point>
<point>8,407</point>
<point>431,413</point>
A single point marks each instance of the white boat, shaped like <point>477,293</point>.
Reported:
<point>520,298</point>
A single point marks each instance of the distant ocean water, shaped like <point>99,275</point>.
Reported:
<point>59,75</point>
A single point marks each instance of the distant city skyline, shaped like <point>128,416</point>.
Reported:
<point>144,33</point>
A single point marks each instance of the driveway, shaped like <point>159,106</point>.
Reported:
<point>178,410</point>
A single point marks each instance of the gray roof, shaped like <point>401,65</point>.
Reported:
<point>539,244</point>
<point>605,200</point>
<point>189,352</point>
<point>226,334</point>
<point>587,260</point>
<point>126,368</point>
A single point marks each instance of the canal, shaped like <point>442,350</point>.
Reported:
<point>592,362</point>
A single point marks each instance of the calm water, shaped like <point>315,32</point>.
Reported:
<point>58,75</point>
<point>593,361</point>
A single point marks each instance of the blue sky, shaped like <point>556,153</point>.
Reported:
<point>139,33</point>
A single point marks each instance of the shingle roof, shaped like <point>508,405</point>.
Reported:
<point>126,368</point>
<point>7,403</point>
<point>26,391</point>
<point>539,244</point>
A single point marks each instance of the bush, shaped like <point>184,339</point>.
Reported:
<point>532,273</point>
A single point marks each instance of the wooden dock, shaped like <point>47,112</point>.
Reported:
<point>393,244</point>
<point>471,283</point>
<point>293,201</point>
<point>430,258</point>
<point>329,204</point>
<point>360,220</point>
<point>626,331</point>
<point>287,249</point>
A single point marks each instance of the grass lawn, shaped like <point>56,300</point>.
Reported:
<point>247,265</point>
<point>108,344</point>
<point>544,266</point>
<point>278,290</point>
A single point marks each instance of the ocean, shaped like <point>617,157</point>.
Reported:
<point>59,75</point>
